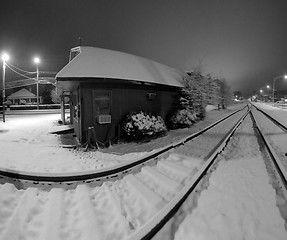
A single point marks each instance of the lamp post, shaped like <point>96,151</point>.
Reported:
<point>275,79</point>
<point>5,57</point>
<point>261,92</point>
<point>37,60</point>
<point>268,94</point>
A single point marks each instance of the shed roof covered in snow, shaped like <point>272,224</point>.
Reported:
<point>22,93</point>
<point>91,62</point>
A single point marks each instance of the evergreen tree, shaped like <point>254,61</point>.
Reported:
<point>46,94</point>
<point>193,93</point>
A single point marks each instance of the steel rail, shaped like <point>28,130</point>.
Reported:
<point>271,118</point>
<point>152,227</point>
<point>105,173</point>
<point>272,153</point>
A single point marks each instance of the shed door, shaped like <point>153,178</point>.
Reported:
<point>77,114</point>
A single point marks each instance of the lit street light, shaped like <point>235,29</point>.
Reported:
<point>37,61</point>
<point>274,79</point>
<point>261,92</point>
<point>268,95</point>
<point>5,57</point>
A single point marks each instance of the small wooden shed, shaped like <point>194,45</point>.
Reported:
<point>105,85</point>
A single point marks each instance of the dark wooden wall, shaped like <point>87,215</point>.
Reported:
<point>126,98</point>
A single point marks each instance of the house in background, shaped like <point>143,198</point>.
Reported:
<point>105,85</point>
<point>47,84</point>
<point>23,96</point>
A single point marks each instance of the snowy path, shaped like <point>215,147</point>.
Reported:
<point>202,146</point>
<point>239,203</point>
<point>111,211</point>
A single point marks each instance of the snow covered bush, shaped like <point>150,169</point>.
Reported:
<point>182,118</point>
<point>141,125</point>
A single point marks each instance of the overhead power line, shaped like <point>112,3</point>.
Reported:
<point>19,69</point>
<point>18,72</point>
<point>28,82</point>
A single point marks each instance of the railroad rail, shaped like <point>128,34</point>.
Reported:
<point>150,229</point>
<point>105,174</point>
<point>153,226</point>
<point>161,205</point>
<point>280,168</point>
<point>163,216</point>
<point>282,126</point>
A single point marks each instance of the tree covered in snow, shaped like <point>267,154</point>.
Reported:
<point>193,93</point>
<point>54,96</point>
<point>198,91</point>
<point>224,93</point>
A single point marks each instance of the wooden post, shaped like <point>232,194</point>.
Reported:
<point>63,109</point>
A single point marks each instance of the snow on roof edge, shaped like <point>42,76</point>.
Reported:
<point>94,62</point>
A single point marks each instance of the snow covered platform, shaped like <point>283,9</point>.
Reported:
<point>30,146</point>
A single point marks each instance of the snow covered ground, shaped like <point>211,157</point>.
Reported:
<point>280,114</point>
<point>275,136</point>
<point>239,202</point>
<point>28,146</point>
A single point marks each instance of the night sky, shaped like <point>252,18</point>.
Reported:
<point>244,41</point>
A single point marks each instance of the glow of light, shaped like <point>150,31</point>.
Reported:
<point>5,57</point>
<point>36,60</point>
<point>261,90</point>
<point>268,86</point>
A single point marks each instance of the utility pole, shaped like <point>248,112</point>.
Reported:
<point>5,57</point>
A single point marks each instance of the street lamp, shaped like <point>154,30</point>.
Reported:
<point>268,94</point>
<point>261,92</point>
<point>274,79</point>
<point>37,61</point>
<point>5,57</point>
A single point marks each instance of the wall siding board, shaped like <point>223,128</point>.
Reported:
<point>126,98</point>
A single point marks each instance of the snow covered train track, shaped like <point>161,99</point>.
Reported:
<point>244,196</point>
<point>134,207</point>
<point>274,136</point>
<point>275,121</point>
<point>107,174</point>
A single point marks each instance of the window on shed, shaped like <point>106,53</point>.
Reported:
<point>102,102</point>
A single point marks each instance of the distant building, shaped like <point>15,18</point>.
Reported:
<point>23,96</point>
<point>105,85</point>
<point>281,94</point>
<point>46,85</point>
